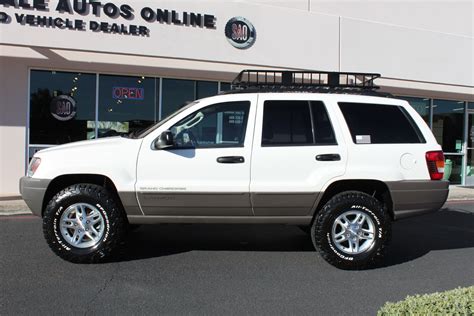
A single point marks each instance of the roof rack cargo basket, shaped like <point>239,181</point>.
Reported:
<point>304,80</point>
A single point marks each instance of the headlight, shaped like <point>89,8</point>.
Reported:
<point>33,166</point>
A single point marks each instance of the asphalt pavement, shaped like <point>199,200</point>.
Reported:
<point>231,269</point>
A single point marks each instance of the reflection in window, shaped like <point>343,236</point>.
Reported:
<point>218,125</point>
<point>126,104</point>
<point>61,105</point>
<point>421,105</point>
<point>448,122</point>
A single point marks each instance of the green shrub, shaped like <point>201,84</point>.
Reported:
<point>455,302</point>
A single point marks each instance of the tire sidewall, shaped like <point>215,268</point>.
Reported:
<point>52,230</point>
<point>365,205</point>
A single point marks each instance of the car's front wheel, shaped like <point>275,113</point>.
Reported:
<point>352,230</point>
<point>83,223</point>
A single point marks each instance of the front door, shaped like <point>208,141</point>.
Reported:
<point>207,171</point>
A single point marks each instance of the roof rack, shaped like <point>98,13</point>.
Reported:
<point>307,80</point>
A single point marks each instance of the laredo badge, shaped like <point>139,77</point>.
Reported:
<point>240,33</point>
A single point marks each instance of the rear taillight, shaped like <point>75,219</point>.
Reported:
<point>435,162</point>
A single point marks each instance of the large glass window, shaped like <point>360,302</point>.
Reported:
<point>218,125</point>
<point>380,124</point>
<point>61,106</point>
<point>176,93</point>
<point>206,89</point>
<point>225,86</point>
<point>126,104</point>
<point>421,105</point>
<point>448,123</point>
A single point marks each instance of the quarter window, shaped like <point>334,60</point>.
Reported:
<point>380,124</point>
<point>296,123</point>
<point>218,125</point>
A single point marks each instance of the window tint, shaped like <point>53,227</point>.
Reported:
<point>323,131</point>
<point>219,125</point>
<point>286,123</point>
<point>380,124</point>
<point>289,123</point>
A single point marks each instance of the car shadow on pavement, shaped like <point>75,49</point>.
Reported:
<point>412,238</point>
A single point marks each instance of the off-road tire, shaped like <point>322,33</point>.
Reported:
<point>339,204</point>
<point>114,228</point>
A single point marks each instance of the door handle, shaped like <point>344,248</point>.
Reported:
<point>328,157</point>
<point>231,159</point>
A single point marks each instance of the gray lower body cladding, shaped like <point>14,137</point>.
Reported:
<point>32,191</point>
<point>412,198</point>
<point>409,198</point>
<point>226,204</point>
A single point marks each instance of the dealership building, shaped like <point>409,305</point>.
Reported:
<point>74,70</point>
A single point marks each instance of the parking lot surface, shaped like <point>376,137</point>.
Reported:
<point>226,269</point>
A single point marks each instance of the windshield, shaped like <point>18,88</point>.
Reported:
<point>153,127</point>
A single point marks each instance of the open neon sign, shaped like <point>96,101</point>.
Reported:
<point>128,93</point>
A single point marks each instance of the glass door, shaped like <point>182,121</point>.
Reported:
<point>470,146</point>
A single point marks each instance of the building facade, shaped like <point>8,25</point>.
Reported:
<point>74,70</point>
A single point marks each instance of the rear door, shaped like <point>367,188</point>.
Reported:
<point>297,149</point>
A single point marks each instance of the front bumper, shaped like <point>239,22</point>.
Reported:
<point>32,191</point>
<point>412,198</point>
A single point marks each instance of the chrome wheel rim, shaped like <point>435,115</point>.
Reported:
<point>82,225</point>
<point>353,232</point>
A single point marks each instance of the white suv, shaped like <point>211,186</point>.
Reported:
<point>320,150</point>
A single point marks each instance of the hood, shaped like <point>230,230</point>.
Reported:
<point>98,145</point>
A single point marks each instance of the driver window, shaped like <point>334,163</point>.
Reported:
<point>215,126</point>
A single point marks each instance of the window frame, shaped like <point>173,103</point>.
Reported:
<point>310,104</point>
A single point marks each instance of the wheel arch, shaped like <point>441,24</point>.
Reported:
<point>372,187</point>
<point>63,181</point>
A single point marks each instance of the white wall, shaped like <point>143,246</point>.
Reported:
<point>445,16</point>
<point>13,105</point>
<point>399,52</point>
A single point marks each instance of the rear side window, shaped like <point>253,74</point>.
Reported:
<point>380,124</point>
<point>296,123</point>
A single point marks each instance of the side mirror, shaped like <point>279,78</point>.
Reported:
<point>165,140</point>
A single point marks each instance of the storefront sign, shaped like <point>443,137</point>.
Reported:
<point>63,108</point>
<point>128,93</point>
<point>240,33</point>
<point>83,8</point>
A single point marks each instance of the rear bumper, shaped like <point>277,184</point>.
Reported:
<point>412,198</point>
<point>32,191</point>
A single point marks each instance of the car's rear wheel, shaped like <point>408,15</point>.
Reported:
<point>352,230</point>
<point>83,223</point>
